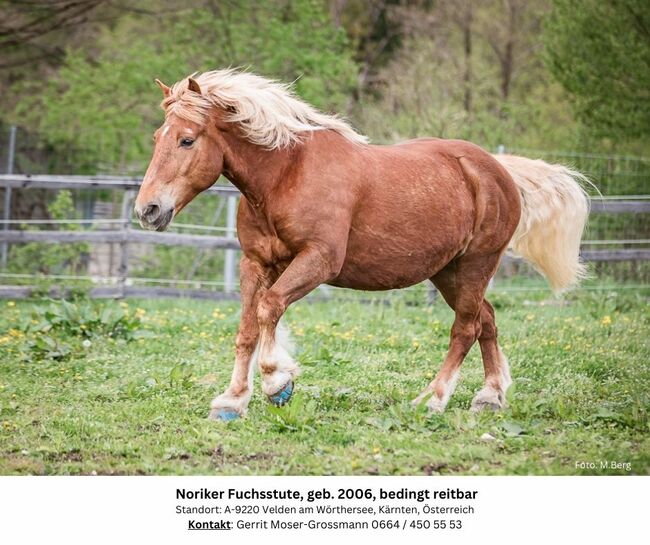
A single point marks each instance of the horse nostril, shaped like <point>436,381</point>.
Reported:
<point>151,212</point>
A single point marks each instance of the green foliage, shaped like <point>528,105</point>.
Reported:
<point>64,329</point>
<point>401,417</point>
<point>600,52</point>
<point>455,69</point>
<point>44,347</point>
<point>580,392</point>
<point>298,415</point>
<point>105,103</point>
<point>181,376</point>
<point>433,87</point>
<point>84,319</point>
<point>41,258</point>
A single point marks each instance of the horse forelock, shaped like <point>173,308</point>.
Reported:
<point>268,112</point>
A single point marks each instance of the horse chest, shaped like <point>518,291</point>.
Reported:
<point>267,250</point>
<point>258,235</point>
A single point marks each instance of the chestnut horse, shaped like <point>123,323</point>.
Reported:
<point>321,205</point>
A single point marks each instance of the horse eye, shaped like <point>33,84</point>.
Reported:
<point>187,142</point>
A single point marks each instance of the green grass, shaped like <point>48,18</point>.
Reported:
<point>133,398</point>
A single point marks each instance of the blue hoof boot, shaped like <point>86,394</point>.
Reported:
<point>225,415</point>
<point>283,396</point>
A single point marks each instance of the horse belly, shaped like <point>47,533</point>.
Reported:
<point>383,263</point>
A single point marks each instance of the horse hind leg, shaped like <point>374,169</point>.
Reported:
<point>463,335</point>
<point>497,371</point>
<point>464,296</point>
<point>463,283</point>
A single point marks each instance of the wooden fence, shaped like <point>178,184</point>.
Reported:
<point>126,235</point>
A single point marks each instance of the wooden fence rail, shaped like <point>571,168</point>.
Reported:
<point>42,181</point>
<point>214,242</point>
<point>147,237</point>
<point>125,235</point>
<point>117,292</point>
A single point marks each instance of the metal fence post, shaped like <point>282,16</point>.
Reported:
<point>229,264</point>
<point>123,271</point>
<point>7,201</point>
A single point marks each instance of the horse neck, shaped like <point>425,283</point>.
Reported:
<point>254,170</point>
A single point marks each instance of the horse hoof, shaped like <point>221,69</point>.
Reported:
<point>436,406</point>
<point>224,415</point>
<point>488,400</point>
<point>283,396</point>
<point>480,406</point>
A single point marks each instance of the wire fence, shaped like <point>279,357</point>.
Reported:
<point>106,252</point>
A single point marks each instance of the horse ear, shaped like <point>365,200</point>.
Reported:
<point>166,90</point>
<point>193,86</point>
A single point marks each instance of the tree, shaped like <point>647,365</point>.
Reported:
<point>600,52</point>
<point>471,70</point>
<point>104,101</point>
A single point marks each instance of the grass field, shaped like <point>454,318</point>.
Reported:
<point>124,388</point>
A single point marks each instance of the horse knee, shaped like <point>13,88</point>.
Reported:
<point>245,343</point>
<point>270,309</point>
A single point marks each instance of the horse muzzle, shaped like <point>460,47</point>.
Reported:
<point>153,217</point>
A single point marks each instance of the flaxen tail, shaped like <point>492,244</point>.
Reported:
<point>554,212</point>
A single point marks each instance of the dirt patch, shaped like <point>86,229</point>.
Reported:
<point>73,455</point>
<point>13,463</point>
<point>220,457</point>
<point>434,469</point>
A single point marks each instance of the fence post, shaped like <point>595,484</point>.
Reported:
<point>123,271</point>
<point>229,264</point>
<point>7,201</point>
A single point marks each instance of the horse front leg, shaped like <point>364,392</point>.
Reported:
<point>234,401</point>
<point>308,270</point>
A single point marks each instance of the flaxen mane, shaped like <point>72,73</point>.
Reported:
<point>268,111</point>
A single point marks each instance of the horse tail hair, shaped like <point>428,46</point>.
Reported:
<point>554,211</point>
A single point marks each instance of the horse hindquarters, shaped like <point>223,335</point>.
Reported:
<point>554,212</point>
